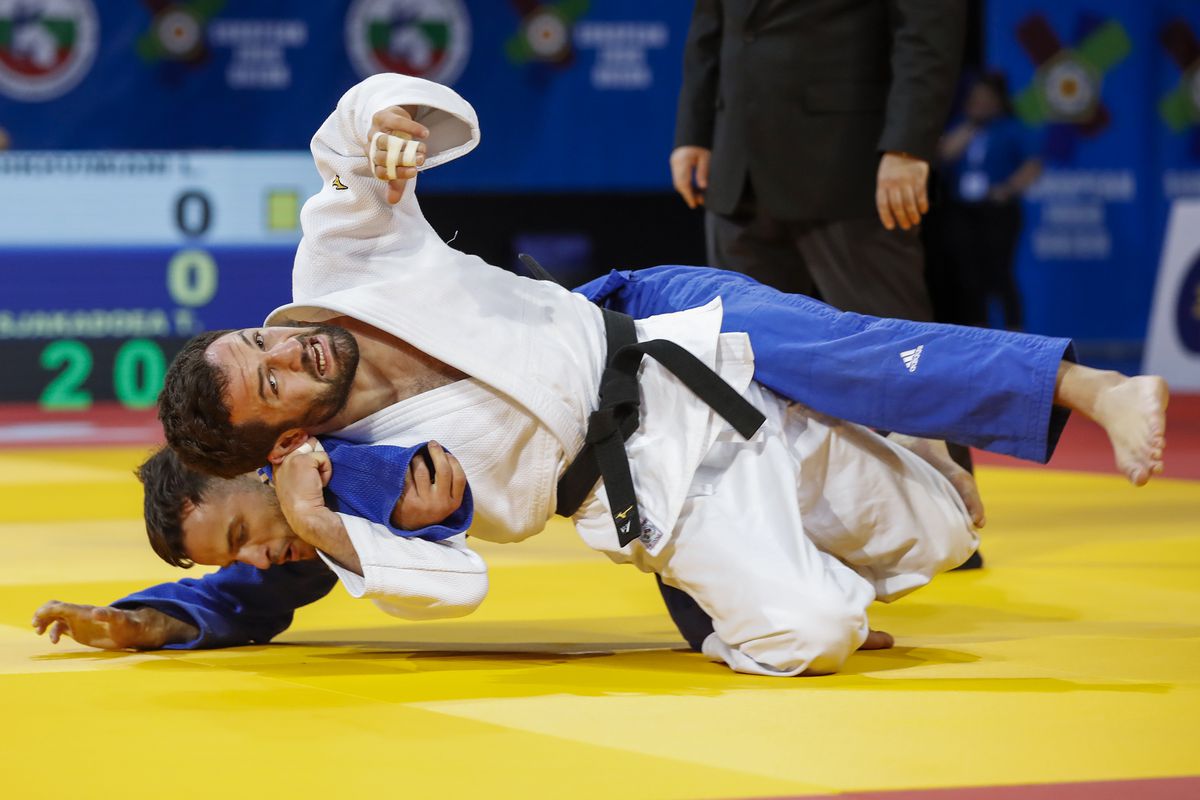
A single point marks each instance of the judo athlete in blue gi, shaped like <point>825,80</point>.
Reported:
<point>993,389</point>
<point>387,497</point>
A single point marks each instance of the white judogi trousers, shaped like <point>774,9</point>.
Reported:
<point>788,585</point>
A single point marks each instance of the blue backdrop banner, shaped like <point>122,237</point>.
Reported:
<point>1114,87</point>
<point>574,94</point>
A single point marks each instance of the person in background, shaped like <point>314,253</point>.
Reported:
<point>806,132</point>
<point>989,160</point>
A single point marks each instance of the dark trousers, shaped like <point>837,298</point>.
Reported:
<point>976,244</point>
<point>853,265</point>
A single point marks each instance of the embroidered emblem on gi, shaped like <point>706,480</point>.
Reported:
<point>911,357</point>
<point>625,513</point>
<point>650,535</point>
<point>624,529</point>
<point>337,183</point>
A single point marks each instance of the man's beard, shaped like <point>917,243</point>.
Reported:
<point>345,355</point>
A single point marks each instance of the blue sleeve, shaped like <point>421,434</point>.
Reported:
<point>238,604</point>
<point>368,480</point>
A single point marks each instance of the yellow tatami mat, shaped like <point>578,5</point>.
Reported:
<point>1075,656</point>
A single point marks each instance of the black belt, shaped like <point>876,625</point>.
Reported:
<point>603,454</point>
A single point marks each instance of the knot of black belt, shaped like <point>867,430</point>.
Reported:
<point>603,454</point>
<point>618,415</point>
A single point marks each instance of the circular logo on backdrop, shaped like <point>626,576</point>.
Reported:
<point>1071,89</point>
<point>1187,309</point>
<point>46,46</point>
<point>425,38</point>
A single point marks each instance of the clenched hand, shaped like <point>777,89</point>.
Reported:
<point>429,498</point>
<point>395,121</point>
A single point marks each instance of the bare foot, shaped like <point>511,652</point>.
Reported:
<point>878,640</point>
<point>934,451</point>
<point>1133,412</point>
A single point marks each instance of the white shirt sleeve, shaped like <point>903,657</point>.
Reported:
<point>452,122</point>
<point>412,578</point>
<point>351,235</point>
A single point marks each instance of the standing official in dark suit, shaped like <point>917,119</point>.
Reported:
<point>806,128</point>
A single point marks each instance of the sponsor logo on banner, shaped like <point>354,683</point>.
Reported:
<point>1180,107</point>
<point>1064,97</point>
<point>1066,84</point>
<point>186,33</point>
<point>425,38</point>
<point>546,34</point>
<point>258,57</point>
<point>177,31</point>
<point>1173,344</point>
<point>1187,308</point>
<point>621,52</point>
<point>46,46</point>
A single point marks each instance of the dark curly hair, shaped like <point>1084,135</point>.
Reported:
<point>168,485</point>
<point>195,416</point>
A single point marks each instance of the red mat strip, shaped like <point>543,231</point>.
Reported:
<point>1148,789</point>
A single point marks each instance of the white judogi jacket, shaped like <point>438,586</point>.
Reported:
<point>534,350</point>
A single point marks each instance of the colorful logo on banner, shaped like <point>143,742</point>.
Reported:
<point>426,38</point>
<point>1180,107</point>
<point>1187,309</point>
<point>46,46</point>
<point>545,33</point>
<point>1065,89</point>
<point>177,31</point>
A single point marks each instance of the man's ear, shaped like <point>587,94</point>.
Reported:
<point>288,441</point>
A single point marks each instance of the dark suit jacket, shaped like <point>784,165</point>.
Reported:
<point>803,96</point>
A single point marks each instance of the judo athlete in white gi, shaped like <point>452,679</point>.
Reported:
<point>784,540</point>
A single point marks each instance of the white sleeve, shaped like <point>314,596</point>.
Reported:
<point>351,234</point>
<point>452,123</point>
<point>412,578</point>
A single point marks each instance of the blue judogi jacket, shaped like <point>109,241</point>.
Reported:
<point>986,388</point>
<point>240,604</point>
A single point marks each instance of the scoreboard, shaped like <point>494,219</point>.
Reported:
<point>109,261</point>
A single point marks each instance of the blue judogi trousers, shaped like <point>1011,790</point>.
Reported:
<point>990,389</point>
<point>985,388</point>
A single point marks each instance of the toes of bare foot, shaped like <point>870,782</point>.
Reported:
<point>1133,413</point>
<point>878,640</point>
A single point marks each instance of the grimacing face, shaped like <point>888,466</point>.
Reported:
<point>240,520</point>
<point>283,376</point>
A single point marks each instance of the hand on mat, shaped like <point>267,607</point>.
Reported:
<point>900,190</point>
<point>430,496</point>
<point>111,628</point>
<point>689,173</point>
<point>395,123</point>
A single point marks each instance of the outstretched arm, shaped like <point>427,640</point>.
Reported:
<point>235,605</point>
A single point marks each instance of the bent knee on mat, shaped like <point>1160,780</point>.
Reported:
<point>816,643</point>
